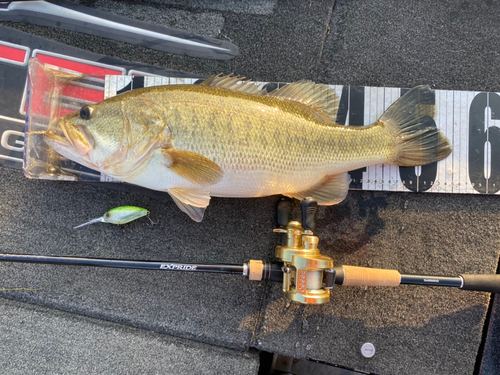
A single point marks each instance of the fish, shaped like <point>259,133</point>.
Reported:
<point>229,137</point>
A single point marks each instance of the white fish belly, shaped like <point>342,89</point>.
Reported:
<point>258,184</point>
<point>235,183</point>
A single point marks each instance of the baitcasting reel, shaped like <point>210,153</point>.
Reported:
<point>308,275</point>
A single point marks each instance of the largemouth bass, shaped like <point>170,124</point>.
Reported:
<point>229,138</point>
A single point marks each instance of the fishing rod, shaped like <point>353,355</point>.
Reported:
<point>307,275</point>
<point>266,270</point>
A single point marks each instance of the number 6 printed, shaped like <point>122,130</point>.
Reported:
<point>484,166</point>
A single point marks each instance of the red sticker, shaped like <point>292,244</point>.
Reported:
<point>77,65</point>
<point>13,54</point>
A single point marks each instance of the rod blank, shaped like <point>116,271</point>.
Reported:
<point>117,263</point>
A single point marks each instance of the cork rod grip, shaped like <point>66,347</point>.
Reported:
<point>363,276</point>
<point>256,268</point>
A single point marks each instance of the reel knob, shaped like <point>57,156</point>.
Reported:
<point>309,207</point>
<point>283,209</point>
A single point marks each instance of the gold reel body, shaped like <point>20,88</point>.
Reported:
<point>304,266</point>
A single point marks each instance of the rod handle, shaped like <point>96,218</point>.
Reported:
<point>482,283</point>
<point>364,276</point>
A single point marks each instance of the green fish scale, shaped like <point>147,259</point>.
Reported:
<point>270,135</point>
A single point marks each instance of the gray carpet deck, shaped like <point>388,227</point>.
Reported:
<point>38,340</point>
<point>450,45</point>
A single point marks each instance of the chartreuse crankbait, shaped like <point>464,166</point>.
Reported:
<point>119,215</point>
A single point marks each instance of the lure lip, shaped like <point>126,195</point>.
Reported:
<point>93,221</point>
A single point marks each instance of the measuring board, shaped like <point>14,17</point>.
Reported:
<point>470,120</point>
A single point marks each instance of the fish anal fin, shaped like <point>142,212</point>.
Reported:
<point>236,84</point>
<point>329,191</point>
<point>191,201</point>
<point>193,167</point>
<point>320,100</point>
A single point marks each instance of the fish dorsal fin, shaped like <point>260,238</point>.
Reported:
<point>320,99</point>
<point>236,84</point>
<point>191,201</point>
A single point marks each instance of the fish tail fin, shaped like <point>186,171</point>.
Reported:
<point>410,120</point>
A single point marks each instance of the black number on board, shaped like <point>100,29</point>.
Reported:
<point>479,136</point>
<point>136,83</point>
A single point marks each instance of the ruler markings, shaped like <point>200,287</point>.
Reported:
<point>463,162</point>
<point>369,104</point>
<point>375,104</point>
<point>457,136</point>
<point>447,113</point>
<point>463,175</point>
<point>449,164</point>
<point>457,171</point>
<point>391,172</point>
<point>487,117</point>
<point>377,109</point>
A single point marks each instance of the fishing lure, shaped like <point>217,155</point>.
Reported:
<point>120,215</point>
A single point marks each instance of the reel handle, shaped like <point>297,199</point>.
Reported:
<point>283,209</point>
<point>309,207</point>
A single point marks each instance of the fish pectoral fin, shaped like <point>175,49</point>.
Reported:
<point>191,201</point>
<point>320,100</point>
<point>331,190</point>
<point>236,84</point>
<point>193,167</point>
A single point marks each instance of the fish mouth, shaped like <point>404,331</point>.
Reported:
<point>66,136</point>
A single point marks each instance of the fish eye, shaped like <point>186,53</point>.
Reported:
<point>85,112</point>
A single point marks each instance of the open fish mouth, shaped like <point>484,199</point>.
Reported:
<point>53,138</point>
<point>70,137</point>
